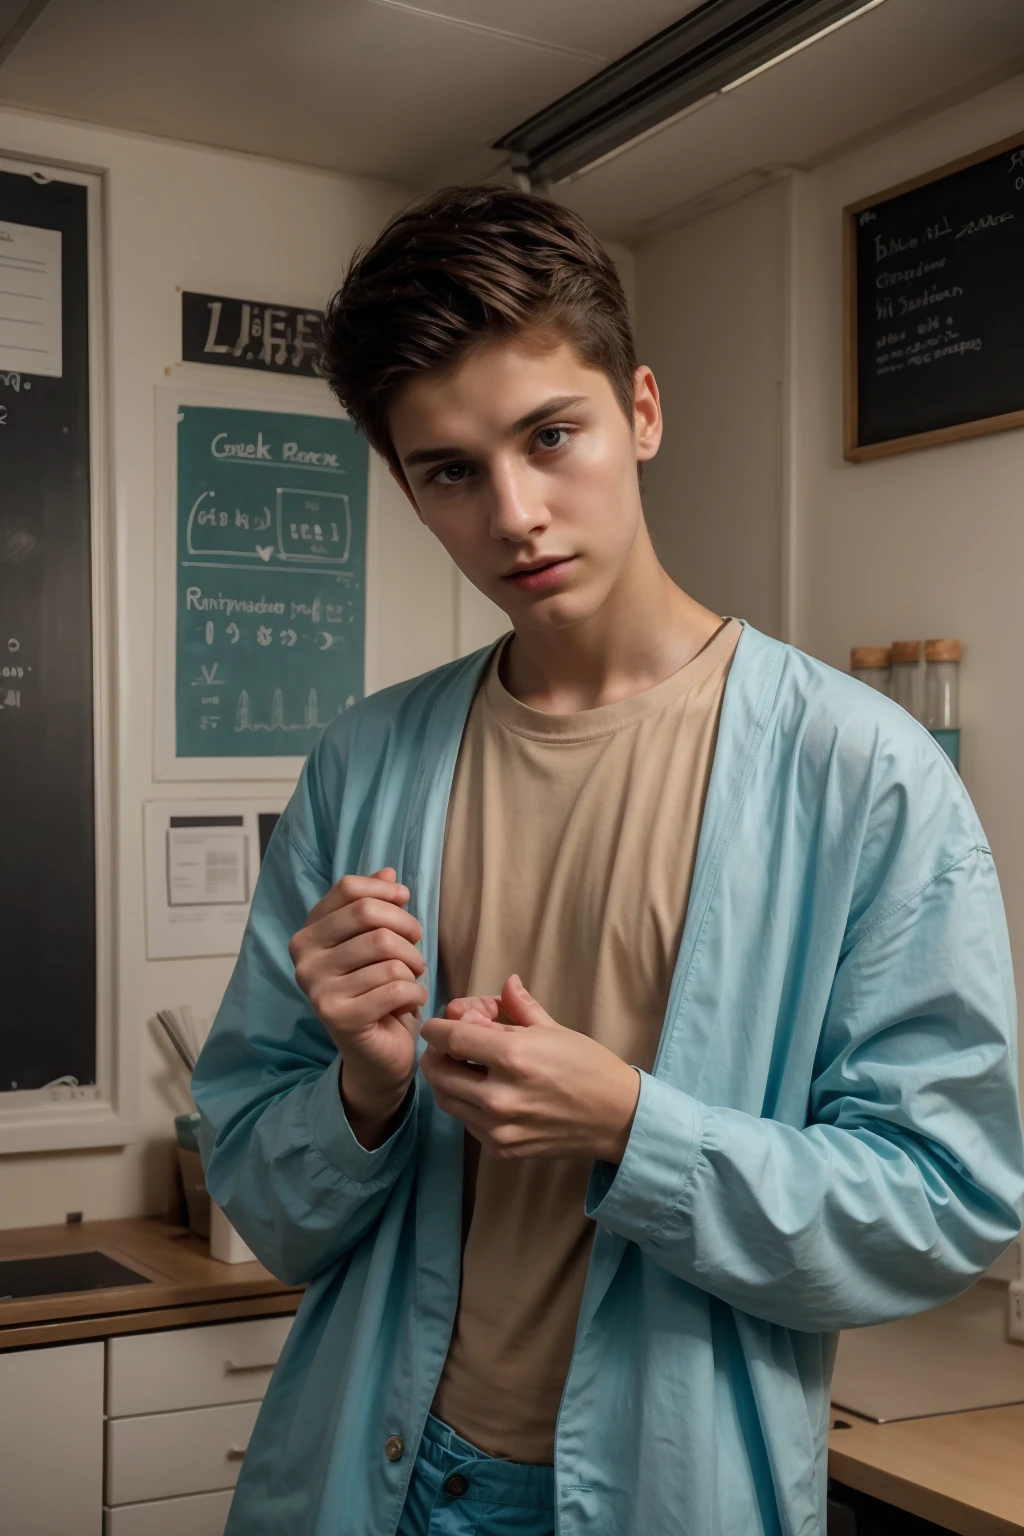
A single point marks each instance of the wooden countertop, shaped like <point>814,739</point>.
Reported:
<point>965,1471</point>
<point>187,1285</point>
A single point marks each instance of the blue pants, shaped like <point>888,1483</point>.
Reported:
<point>458,1490</point>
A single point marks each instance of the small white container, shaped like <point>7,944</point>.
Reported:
<point>225,1243</point>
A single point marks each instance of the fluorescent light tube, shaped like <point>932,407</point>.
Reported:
<point>843,21</point>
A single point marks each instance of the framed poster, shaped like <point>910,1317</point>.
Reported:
<point>261,581</point>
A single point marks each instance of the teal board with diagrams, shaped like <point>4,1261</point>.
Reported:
<point>271,579</point>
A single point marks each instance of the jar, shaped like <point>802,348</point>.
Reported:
<point>942,694</point>
<point>871,664</point>
<point>907,676</point>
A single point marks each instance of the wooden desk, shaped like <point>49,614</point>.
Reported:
<point>188,1286</point>
<point>965,1471</point>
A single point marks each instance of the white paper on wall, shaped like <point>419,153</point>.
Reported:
<point>30,300</point>
<point>202,861</point>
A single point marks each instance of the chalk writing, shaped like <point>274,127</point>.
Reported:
<point>12,672</point>
<point>908,274</point>
<point>244,333</point>
<point>271,579</point>
<point>986,221</point>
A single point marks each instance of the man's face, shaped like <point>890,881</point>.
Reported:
<point>522,455</point>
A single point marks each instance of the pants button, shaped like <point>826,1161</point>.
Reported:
<point>456,1486</point>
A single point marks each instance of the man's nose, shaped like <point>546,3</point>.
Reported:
<point>517,503</point>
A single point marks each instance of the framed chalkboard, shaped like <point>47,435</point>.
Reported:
<point>262,581</point>
<point>934,303</point>
<point>62,1081</point>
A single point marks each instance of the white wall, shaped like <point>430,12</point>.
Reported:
<point>752,504</point>
<point>710,325</point>
<point>218,223</point>
<point>918,544</point>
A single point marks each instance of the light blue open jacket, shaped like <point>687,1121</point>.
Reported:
<point>830,1135</point>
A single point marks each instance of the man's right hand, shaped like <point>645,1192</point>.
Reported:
<point>357,962</point>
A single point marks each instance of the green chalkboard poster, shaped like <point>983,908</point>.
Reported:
<point>271,579</point>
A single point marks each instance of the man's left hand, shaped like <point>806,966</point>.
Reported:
<point>535,1089</point>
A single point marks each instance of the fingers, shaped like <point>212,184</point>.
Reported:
<point>339,951</point>
<point>458,1082</point>
<point>358,917</point>
<point>367,978</point>
<point>521,1007</point>
<point>383,886</point>
<point>485,1107</point>
<point>471,1038</point>
<point>488,1007</point>
<point>346,1015</point>
<point>396,932</point>
<point>383,954</point>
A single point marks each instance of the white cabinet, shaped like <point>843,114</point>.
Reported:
<point>181,1406</point>
<point>51,1447</point>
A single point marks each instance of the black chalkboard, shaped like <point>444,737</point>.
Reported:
<point>47,866</point>
<point>935,306</point>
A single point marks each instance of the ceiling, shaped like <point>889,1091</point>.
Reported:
<point>415,93</point>
<point>888,64</point>
<point>392,89</point>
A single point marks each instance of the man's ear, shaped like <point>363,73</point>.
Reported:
<point>403,485</point>
<point>647,421</point>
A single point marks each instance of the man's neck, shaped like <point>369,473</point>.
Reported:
<point>647,629</point>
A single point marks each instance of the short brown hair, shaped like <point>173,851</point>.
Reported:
<point>459,267</point>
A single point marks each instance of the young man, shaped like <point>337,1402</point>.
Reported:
<point>624,1009</point>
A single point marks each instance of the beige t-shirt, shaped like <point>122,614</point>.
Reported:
<point>568,855</point>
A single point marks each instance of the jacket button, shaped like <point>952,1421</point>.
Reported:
<point>456,1486</point>
<point>394,1447</point>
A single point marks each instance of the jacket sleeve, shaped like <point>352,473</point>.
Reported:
<point>280,1157</point>
<point>903,1186</point>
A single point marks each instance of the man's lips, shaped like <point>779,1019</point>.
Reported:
<point>537,565</point>
<point>537,577</point>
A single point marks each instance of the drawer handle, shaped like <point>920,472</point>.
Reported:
<point>257,1365</point>
<point>236,1452</point>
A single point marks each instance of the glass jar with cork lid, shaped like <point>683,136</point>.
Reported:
<point>942,695</point>
<point>908,677</point>
<point>871,664</point>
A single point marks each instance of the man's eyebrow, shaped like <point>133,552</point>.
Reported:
<point>432,455</point>
<point>549,408</point>
<point>453,451</point>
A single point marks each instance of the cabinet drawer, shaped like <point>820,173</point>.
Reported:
<point>164,1454</point>
<point>201,1514</point>
<point>193,1367</point>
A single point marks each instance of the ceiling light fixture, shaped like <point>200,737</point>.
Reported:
<point>714,48</point>
<point>799,47</point>
<point>641,138</point>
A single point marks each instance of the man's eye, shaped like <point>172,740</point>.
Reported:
<point>551,437</point>
<point>450,474</point>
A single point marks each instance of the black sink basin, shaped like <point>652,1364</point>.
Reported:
<point>58,1274</point>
